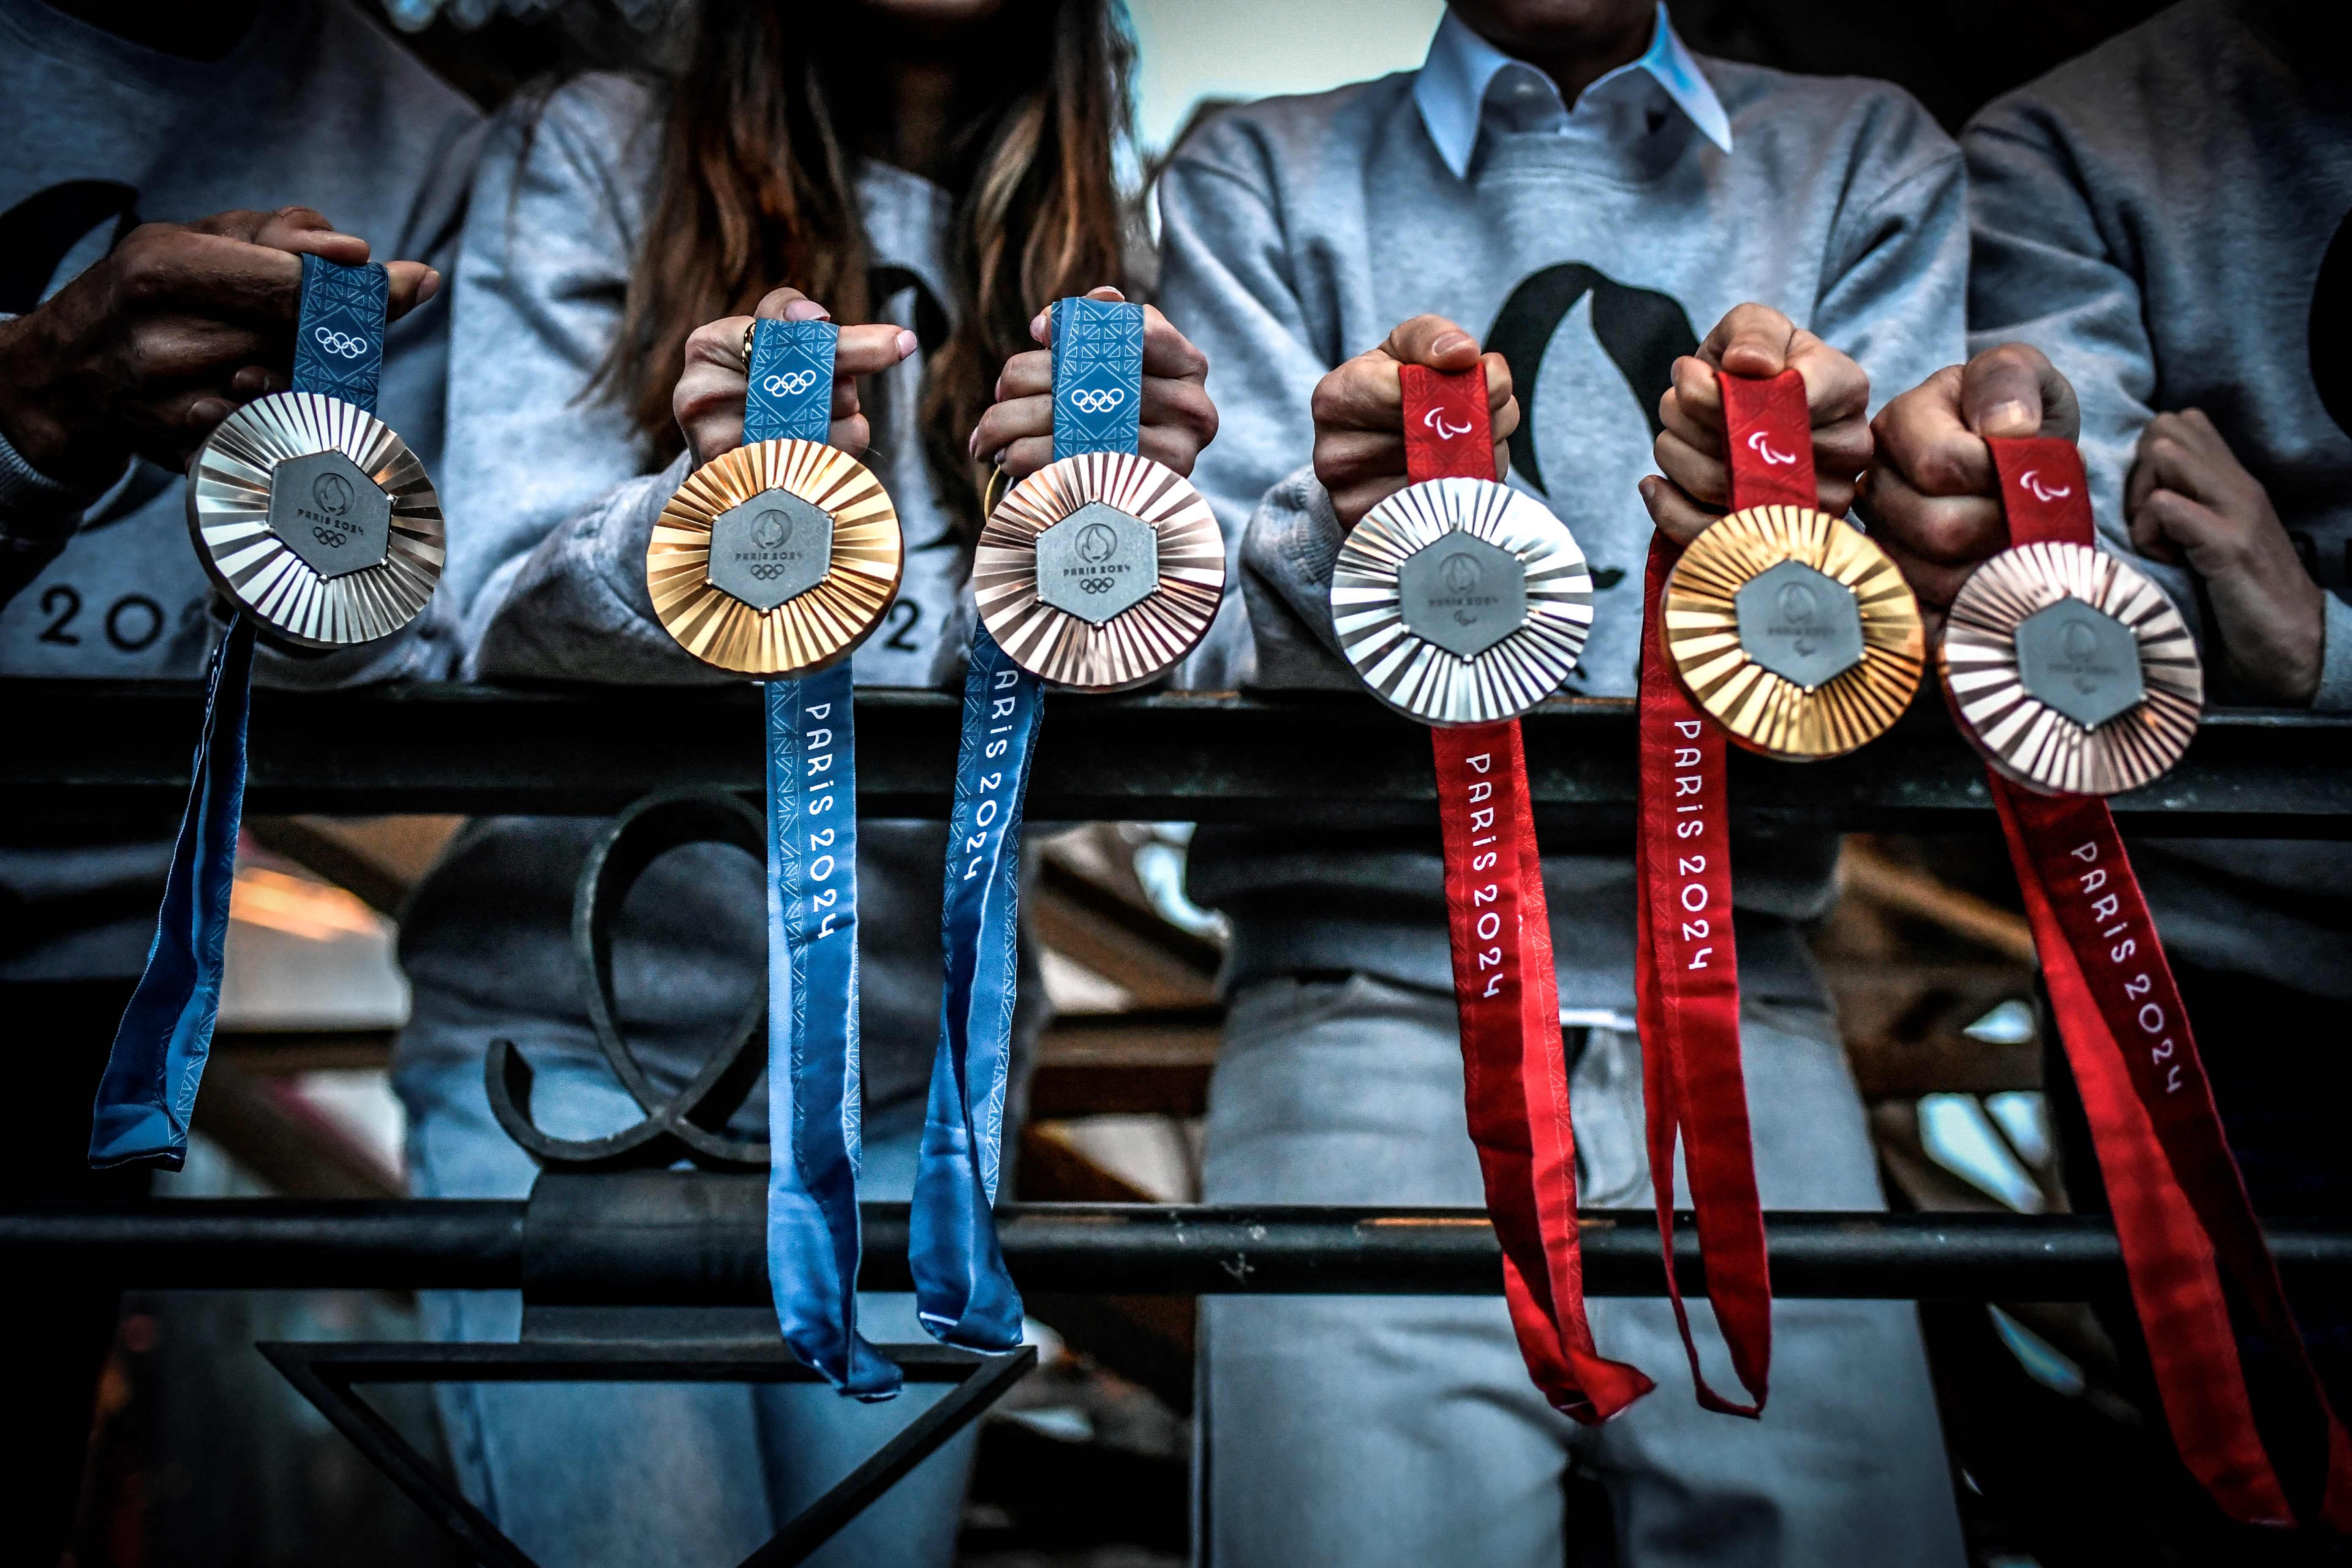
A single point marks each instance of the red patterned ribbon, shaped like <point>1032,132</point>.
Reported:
<point>1514,1072</point>
<point>1686,965</point>
<point>2191,1244</point>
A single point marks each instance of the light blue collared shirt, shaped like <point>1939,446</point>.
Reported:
<point>1466,83</point>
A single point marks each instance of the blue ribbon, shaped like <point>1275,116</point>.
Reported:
<point>148,1088</point>
<point>813,1106</point>
<point>963,1291</point>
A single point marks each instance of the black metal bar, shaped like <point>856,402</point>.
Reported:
<point>1341,760</point>
<point>1072,1248</point>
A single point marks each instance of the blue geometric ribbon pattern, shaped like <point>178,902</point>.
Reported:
<point>148,1088</point>
<point>962,1292</point>
<point>1098,376</point>
<point>814,1108</point>
<point>812,1074</point>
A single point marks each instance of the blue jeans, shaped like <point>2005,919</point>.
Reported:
<point>634,1474</point>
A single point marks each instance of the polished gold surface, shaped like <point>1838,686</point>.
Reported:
<point>809,631</point>
<point>1434,684</point>
<point>2032,743</point>
<point>1764,712</point>
<point>228,517</point>
<point>1140,642</point>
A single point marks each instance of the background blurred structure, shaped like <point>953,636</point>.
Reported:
<point>1926,953</point>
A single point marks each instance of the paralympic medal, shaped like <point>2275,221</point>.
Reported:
<point>1790,628</point>
<point>307,510</point>
<point>2067,668</point>
<point>1102,570</point>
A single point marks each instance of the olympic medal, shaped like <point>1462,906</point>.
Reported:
<point>1099,571</point>
<point>775,559</point>
<point>2071,671</point>
<point>1462,600</point>
<point>317,519</point>
<point>1794,631</point>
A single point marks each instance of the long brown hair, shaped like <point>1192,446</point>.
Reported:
<point>757,188</point>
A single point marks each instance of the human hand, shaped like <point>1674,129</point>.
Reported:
<point>1694,449</point>
<point>711,388</point>
<point>1176,421</point>
<point>162,339</point>
<point>1359,411</point>
<point>2191,502</point>
<point>1932,497</point>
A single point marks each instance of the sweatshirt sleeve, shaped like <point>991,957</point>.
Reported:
<point>551,506</point>
<point>1226,283</point>
<point>2044,272</point>
<point>1894,288</point>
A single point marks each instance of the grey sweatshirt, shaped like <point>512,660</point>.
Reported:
<point>2165,218</point>
<point>553,498</point>
<point>315,106</point>
<point>1297,232</point>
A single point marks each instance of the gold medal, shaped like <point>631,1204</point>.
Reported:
<point>775,559</point>
<point>1794,631</point>
<point>317,519</point>
<point>1099,571</point>
<point>2071,671</point>
<point>1462,600</point>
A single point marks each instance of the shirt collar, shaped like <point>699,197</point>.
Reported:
<point>1454,84</point>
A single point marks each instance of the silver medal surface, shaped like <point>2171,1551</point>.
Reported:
<point>317,519</point>
<point>1462,600</point>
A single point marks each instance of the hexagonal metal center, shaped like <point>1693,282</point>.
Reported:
<point>1462,593</point>
<point>1097,562</point>
<point>330,513</point>
<point>765,549</point>
<point>2080,660</point>
<point>1800,624</point>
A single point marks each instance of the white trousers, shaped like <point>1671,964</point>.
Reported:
<point>1373,1431</point>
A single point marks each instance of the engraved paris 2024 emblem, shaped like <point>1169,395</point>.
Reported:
<point>770,548</point>
<point>329,513</point>
<point>1097,562</point>
<point>1462,593</point>
<point>1800,623</point>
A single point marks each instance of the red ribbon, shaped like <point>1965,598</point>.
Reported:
<point>2181,1207</point>
<point>1686,966</point>
<point>1514,1071</point>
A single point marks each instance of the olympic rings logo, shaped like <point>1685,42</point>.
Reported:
<point>1097,400</point>
<point>1093,584</point>
<point>767,573</point>
<point>791,385</point>
<point>342,344</point>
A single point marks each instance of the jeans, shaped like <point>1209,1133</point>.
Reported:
<point>630,1474</point>
<point>1399,1430</point>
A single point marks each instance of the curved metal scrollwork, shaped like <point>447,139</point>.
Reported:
<point>691,1124</point>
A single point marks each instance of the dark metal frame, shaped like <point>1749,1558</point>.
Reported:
<point>328,1375</point>
<point>1328,761</point>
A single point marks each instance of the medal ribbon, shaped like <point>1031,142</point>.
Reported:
<point>964,1293</point>
<point>2192,1247</point>
<point>148,1090</point>
<point>1686,962</point>
<point>814,1105</point>
<point>1514,1073</point>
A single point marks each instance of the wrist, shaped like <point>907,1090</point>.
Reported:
<point>35,417</point>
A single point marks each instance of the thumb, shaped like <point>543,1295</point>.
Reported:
<point>2014,391</point>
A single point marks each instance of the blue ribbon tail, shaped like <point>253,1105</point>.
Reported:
<point>148,1088</point>
<point>964,1293</point>
<point>813,1240</point>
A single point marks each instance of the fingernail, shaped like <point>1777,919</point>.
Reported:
<point>1447,343</point>
<point>973,446</point>
<point>805,310</point>
<point>430,286</point>
<point>1038,326</point>
<point>907,344</point>
<point>2003,417</point>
